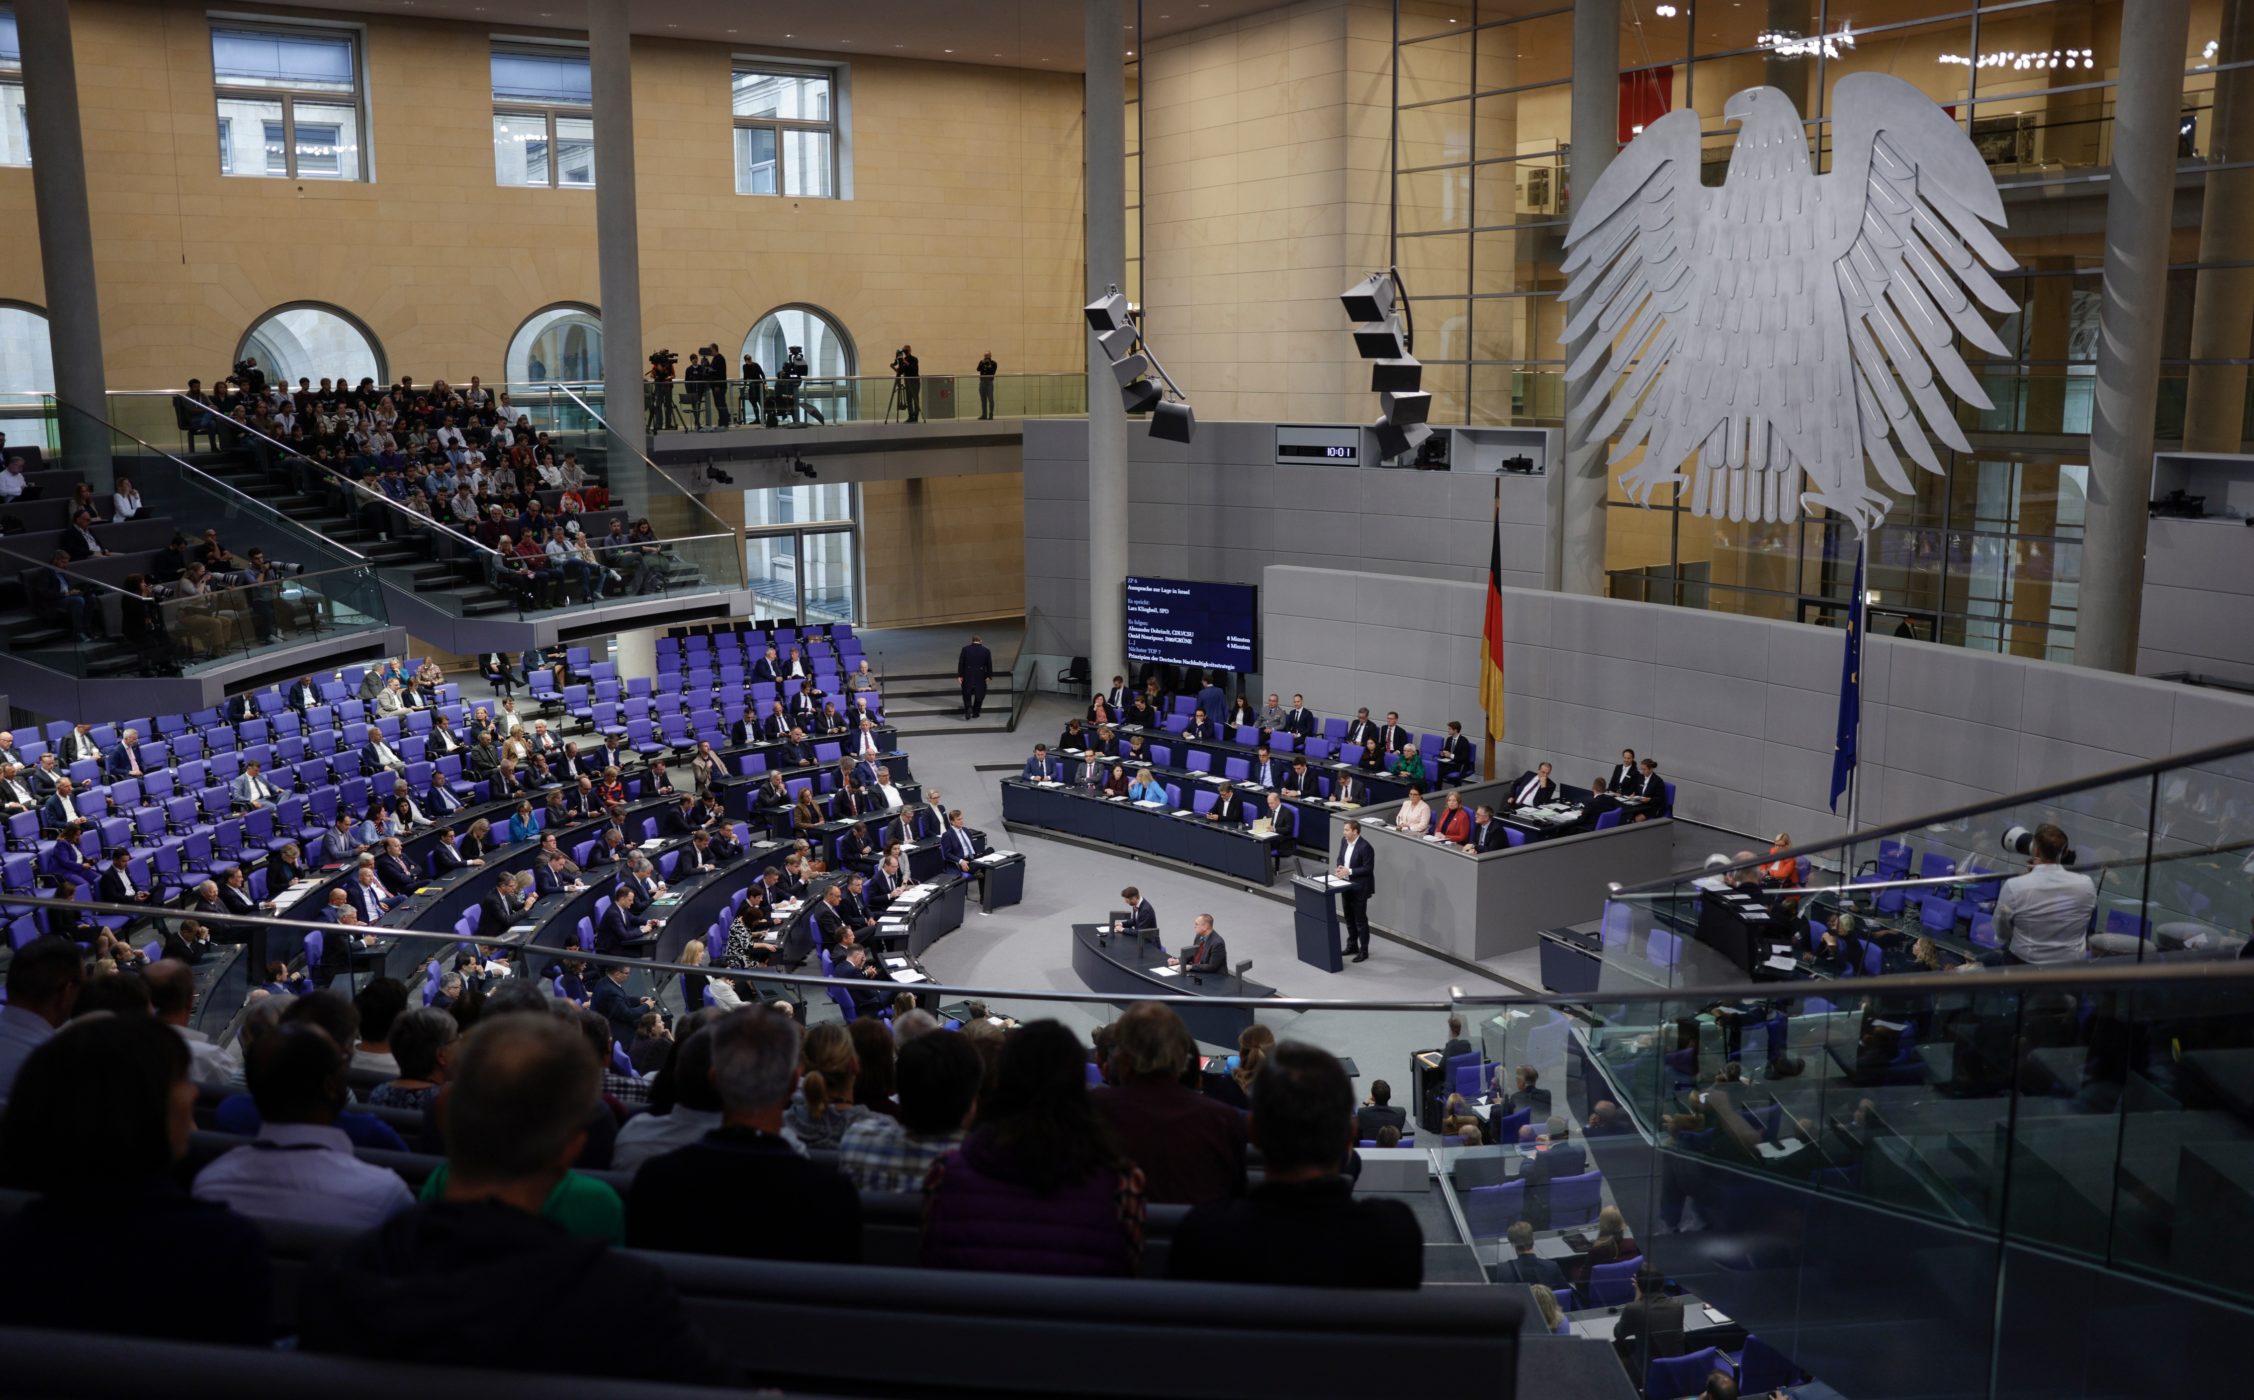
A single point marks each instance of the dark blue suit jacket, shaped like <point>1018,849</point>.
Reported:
<point>1362,869</point>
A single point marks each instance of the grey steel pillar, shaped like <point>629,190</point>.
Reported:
<point>2138,201</point>
<point>618,253</point>
<point>1103,130</point>
<point>66,232</point>
<point>1579,530</point>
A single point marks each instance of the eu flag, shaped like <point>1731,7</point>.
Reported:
<point>1850,691</point>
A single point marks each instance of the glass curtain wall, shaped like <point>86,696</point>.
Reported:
<point>1988,556</point>
<point>802,551</point>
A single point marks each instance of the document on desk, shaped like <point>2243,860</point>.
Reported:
<point>1184,812</point>
<point>910,975</point>
<point>1166,972</point>
<point>1332,882</point>
<point>1050,783</point>
<point>1151,806</point>
<point>1715,1316</point>
<point>995,857</point>
<point>1775,1150</point>
<point>1779,964</point>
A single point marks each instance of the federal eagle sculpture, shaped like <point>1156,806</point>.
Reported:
<point>1785,322</point>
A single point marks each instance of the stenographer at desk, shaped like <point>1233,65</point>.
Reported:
<point>1209,953</point>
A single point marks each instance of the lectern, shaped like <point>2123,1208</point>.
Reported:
<point>1315,920</point>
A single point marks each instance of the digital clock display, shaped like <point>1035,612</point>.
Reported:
<point>1301,443</point>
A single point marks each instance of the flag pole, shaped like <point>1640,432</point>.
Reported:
<point>1491,638</point>
<point>1855,774</point>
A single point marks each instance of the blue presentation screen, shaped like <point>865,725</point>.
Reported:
<point>1187,623</point>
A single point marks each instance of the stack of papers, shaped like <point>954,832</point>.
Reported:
<point>1772,1151</point>
<point>1184,812</point>
<point>911,975</point>
<point>1778,964</point>
<point>995,857</point>
<point>1166,972</point>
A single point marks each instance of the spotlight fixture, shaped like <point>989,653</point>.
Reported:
<point>1383,332</point>
<point>802,466</point>
<point>1144,384</point>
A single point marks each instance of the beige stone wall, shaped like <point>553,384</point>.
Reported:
<point>964,234</point>
<point>943,549</point>
<point>1264,196</point>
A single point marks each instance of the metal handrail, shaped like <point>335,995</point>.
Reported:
<point>2151,768</point>
<point>2079,978</point>
<point>653,468</point>
<point>290,453</point>
<point>213,482</point>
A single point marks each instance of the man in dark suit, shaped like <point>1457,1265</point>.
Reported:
<point>829,923</point>
<point>78,745</point>
<point>124,760</point>
<point>1486,832</point>
<point>438,801</point>
<point>695,858</point>
<point>1600,802</point>
<point>882,882</point>
<point>394,869</point>
<point>1390,734</point>
<point>1379,1112</point>
<point>1528,1267</point>
<point>59,811</point>
<point>1040,768</point>
<point>53,594</point>
<point>755,1066</point>
<point>1300,780</point>
<point>1561,1158</point>
<point>797,751</point>
<point>302,694</point>
<point>1208,952</point>
<point>377,755</point>
<point>958,845</point>
<point>1456,757</point>
<point>1268,770</point>
<point>117,885</point>
<point>684,818</point>
<point>1302,1226</point>
<point>1624,773</point>
<point>767,667</point>
<point>1359,730</point>
<point>804,707</point>
<point>617,932</point>
<point>1227,808</point>
<point>776,726</point>
<point>443,741</point>
<point>744,731</point>
<point>1115,699</point>
<point>1531,789</point>
<point>1200,726</point>
<point>1651,1327</point>
<point>973,665</point>
<point>1299,719</point>
<point>548,876</point>
<point>79,541</point>
<point>1142,915</point>
<point>613,1003</point>
<point>1281,819</point>
<point>1357,866</point>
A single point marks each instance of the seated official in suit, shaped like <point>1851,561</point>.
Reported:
<point>394,869</point>
<point>1525,1265</point>
<point>1301,781</point>
<point>1559,1158</point>
<point>1268,770</point>
<point>1651,1327</point>
<point>618,932</point>
<point>1302,1226</point>
<point>1379,1112</point>
<point>1227,808</point>
<point>250,788</point>
<point>1279,818</point>
<point>1486,832</point>
<point>377,755</point>
<point>1142,915</point>
<point>1531,789</point>
<point>1647,797</point>
<point>1200,727</point>
<point>1600,802</point>
<point>1041,768</point>
<point>1456,756</point>
<point>745,731</point>
<point>1208,953</point>
<point>124,759</point>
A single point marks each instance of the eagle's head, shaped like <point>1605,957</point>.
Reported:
<point>1770,140</point>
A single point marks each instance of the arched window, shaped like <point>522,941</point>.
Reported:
<point>27,362</point>
<point>313,342</point>
<point>829,350</point>
<point>560,344</point>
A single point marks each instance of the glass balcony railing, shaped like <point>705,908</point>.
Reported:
<point>812,402</point>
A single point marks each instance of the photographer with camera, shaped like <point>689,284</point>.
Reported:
<point>716,384</point>
<point>907,371</point>
<point>663,414</point>
<point>987,369</point>
<point>788,381</point>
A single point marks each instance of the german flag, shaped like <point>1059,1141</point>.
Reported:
<point>1491,636</point>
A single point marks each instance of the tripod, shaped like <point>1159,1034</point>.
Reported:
<point>898,403</point>
<point>662,412</point>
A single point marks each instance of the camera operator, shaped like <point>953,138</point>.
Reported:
<point>250,376</point>
<point>662,412</point>
<point>693,382</point>
<point>2044,915</point>
<point>788,384</point>
<point>987,369</point>
<point>907,369</point>
<point>753,392</point>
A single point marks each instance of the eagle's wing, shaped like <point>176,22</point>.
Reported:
<point>1629,278</point>
<point>1906,208</point>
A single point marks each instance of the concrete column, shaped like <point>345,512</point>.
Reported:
<point>2222,303</point>
<point>66,231</point>
<point>1103,129</point>
<point>2138,201</point>
<point>1596,136</point>
<point>617,232</point>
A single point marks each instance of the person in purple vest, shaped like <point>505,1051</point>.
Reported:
<point>1040,1186</point>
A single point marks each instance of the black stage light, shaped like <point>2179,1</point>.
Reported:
<point>1173,421</point>
<point>1380,340</point>
<point>1141,396</point>
<point>1396,376</point>
<point>1109,313</point>
<point>1370,299</point>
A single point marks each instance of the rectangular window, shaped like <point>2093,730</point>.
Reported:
<point>786,131</point>
<point>543,116</point>
<point>15,131</point>
<point>289,103</point>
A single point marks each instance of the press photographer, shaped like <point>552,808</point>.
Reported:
<point>662,412</point>
<point>907,383</point>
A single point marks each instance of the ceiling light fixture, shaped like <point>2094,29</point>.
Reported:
<point>1665,11</point>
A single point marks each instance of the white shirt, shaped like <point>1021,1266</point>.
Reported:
<point>210,1067</point>
<point>869,743</point>
<point>1526,793</point>
<point>2043,916</point>
<point>647,1135</point>
<point>308,1175</point>
<point>891,794</point>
